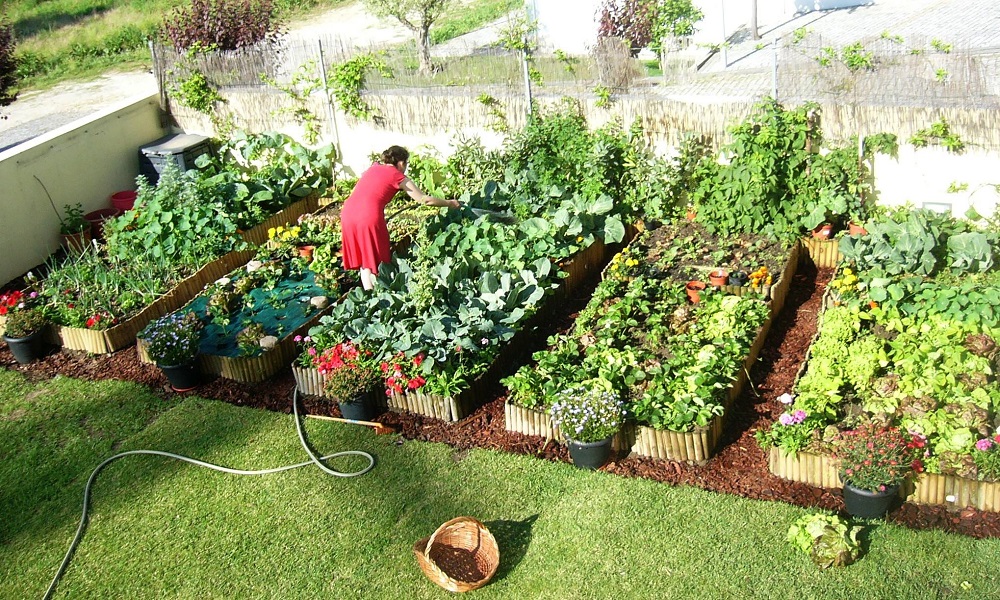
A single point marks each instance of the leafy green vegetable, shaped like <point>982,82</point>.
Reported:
<point>827,539</point>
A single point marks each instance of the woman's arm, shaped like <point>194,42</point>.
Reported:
<point>414,192</point>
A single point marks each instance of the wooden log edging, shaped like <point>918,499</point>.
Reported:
<point>820,470</point>
<point>825,254</point>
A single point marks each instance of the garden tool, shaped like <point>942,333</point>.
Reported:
<point>379,428</point>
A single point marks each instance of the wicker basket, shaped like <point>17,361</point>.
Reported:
<point>464,545</point>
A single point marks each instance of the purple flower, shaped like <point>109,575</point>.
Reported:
<point>799,416</point>
<point>786,419</point>
<point>984,444</point>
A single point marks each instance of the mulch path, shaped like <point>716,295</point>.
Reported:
<point>739,466</point>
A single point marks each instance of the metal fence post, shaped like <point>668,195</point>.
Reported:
<point>527,79</point>
<point>331,113</point>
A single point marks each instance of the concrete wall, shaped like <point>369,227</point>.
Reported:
<point>923,176</point>
<point>567,25</point>
<point>85,161</point>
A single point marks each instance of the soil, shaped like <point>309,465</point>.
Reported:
<point>739,466</point>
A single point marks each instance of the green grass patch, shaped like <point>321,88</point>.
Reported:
<point>463,18</point>
<point>162,528</point>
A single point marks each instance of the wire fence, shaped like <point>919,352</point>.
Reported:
<point>886,71</point>
<point>881,83</point>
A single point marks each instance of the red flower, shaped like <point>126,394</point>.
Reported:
<point>3,310</point>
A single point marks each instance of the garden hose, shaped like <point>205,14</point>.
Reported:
<point>313,459</point>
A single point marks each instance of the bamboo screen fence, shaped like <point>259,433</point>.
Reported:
<point>910,86</point>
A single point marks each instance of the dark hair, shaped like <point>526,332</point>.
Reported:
<point>395,154</point>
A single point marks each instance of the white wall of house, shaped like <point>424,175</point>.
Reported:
<point>85,161</point>
<point>567,25</point>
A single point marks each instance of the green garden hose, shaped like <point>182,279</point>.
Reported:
<point>313,459</point>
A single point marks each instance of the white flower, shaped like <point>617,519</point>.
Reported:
<point>786,398</point>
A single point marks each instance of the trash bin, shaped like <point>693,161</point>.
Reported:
<point>180,149</point>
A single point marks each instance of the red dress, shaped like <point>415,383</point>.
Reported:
<point>364,234</point>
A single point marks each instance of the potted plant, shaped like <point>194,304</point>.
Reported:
<point>24,325</point>
<point>588,416</point>
<point>875,459</point>
<point>74,229</point>
<point>349,377</point>
<point>172,343</point>
<point>718,277</point>
<point>823,212</point>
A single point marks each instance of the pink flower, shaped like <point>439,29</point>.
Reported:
<point>312,352</point>
<point>786,419</point>
<point>297,338</point>
<point>984,444</point>
<point>799,416</point>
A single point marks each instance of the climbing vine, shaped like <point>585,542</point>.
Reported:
<point>495,108</point>
<point>348,80</point>
<point>939,134</point>
<point>303,84</point>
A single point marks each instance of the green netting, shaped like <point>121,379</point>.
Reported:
<point>280,311</point>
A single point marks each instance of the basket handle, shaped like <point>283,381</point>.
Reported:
<point>445,525</point>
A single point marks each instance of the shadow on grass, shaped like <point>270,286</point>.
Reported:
<point>513,539</point>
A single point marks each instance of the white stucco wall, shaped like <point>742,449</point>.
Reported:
<point>85,161</point>
<point>567,25</point>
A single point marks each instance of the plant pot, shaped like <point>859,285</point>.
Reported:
<point>26,349</point>
<point>694,289</point>
<point>869,505</point>
<point>97,219</point>
<point>306,252</point>
<point>855,229</point>
<point>358,408</point>
<point>823,232</point>
<point>182,378</point>
<point>738,278</point>
<point>690,214</point>
<point>123,200</point>
<point>590,455</point>
<point>75,242</point>
<point>718,278</point>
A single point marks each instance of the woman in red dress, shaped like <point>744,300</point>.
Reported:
<point>364,234</point>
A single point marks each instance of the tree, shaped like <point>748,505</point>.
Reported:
<point>415,15</point>
<point>8,64</point>
<point>754,32</point>
<point>631,20</point>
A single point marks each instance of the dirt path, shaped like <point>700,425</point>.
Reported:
<point>38,112</point>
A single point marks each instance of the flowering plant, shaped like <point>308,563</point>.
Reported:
<point>876,457</point>
<point>173,340</point>
<point>987,457</point>
<point>348,371</point>
<point>400,373</point>
<point>588,413</point>
<point>23,318</point>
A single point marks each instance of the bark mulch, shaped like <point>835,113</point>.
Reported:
<point>739,466</point>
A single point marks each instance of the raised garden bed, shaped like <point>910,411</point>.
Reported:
<point>220,353</point>
<point>693,447</point>
<point>577,269</point>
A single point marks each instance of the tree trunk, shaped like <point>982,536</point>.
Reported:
<point>424,49</point>
<point>753,20</point>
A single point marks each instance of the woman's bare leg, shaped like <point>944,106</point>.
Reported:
<point>367,279</point>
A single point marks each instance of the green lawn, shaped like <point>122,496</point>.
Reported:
<point>161,528</point>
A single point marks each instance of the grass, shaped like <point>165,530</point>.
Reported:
<point>60,40</point>
<point>162,528</point>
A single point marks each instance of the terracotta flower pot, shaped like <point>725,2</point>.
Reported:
<point>718,278</point>
<point>306,252</point>
<point>855,229</point>
<point>694,289</point>
<point>690,214</point>
<point>823,232</point>
<point>75,242</point>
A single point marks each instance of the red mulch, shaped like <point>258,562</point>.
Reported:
<point>739,466</point>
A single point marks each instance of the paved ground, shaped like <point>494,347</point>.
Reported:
<point>967,24</point>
